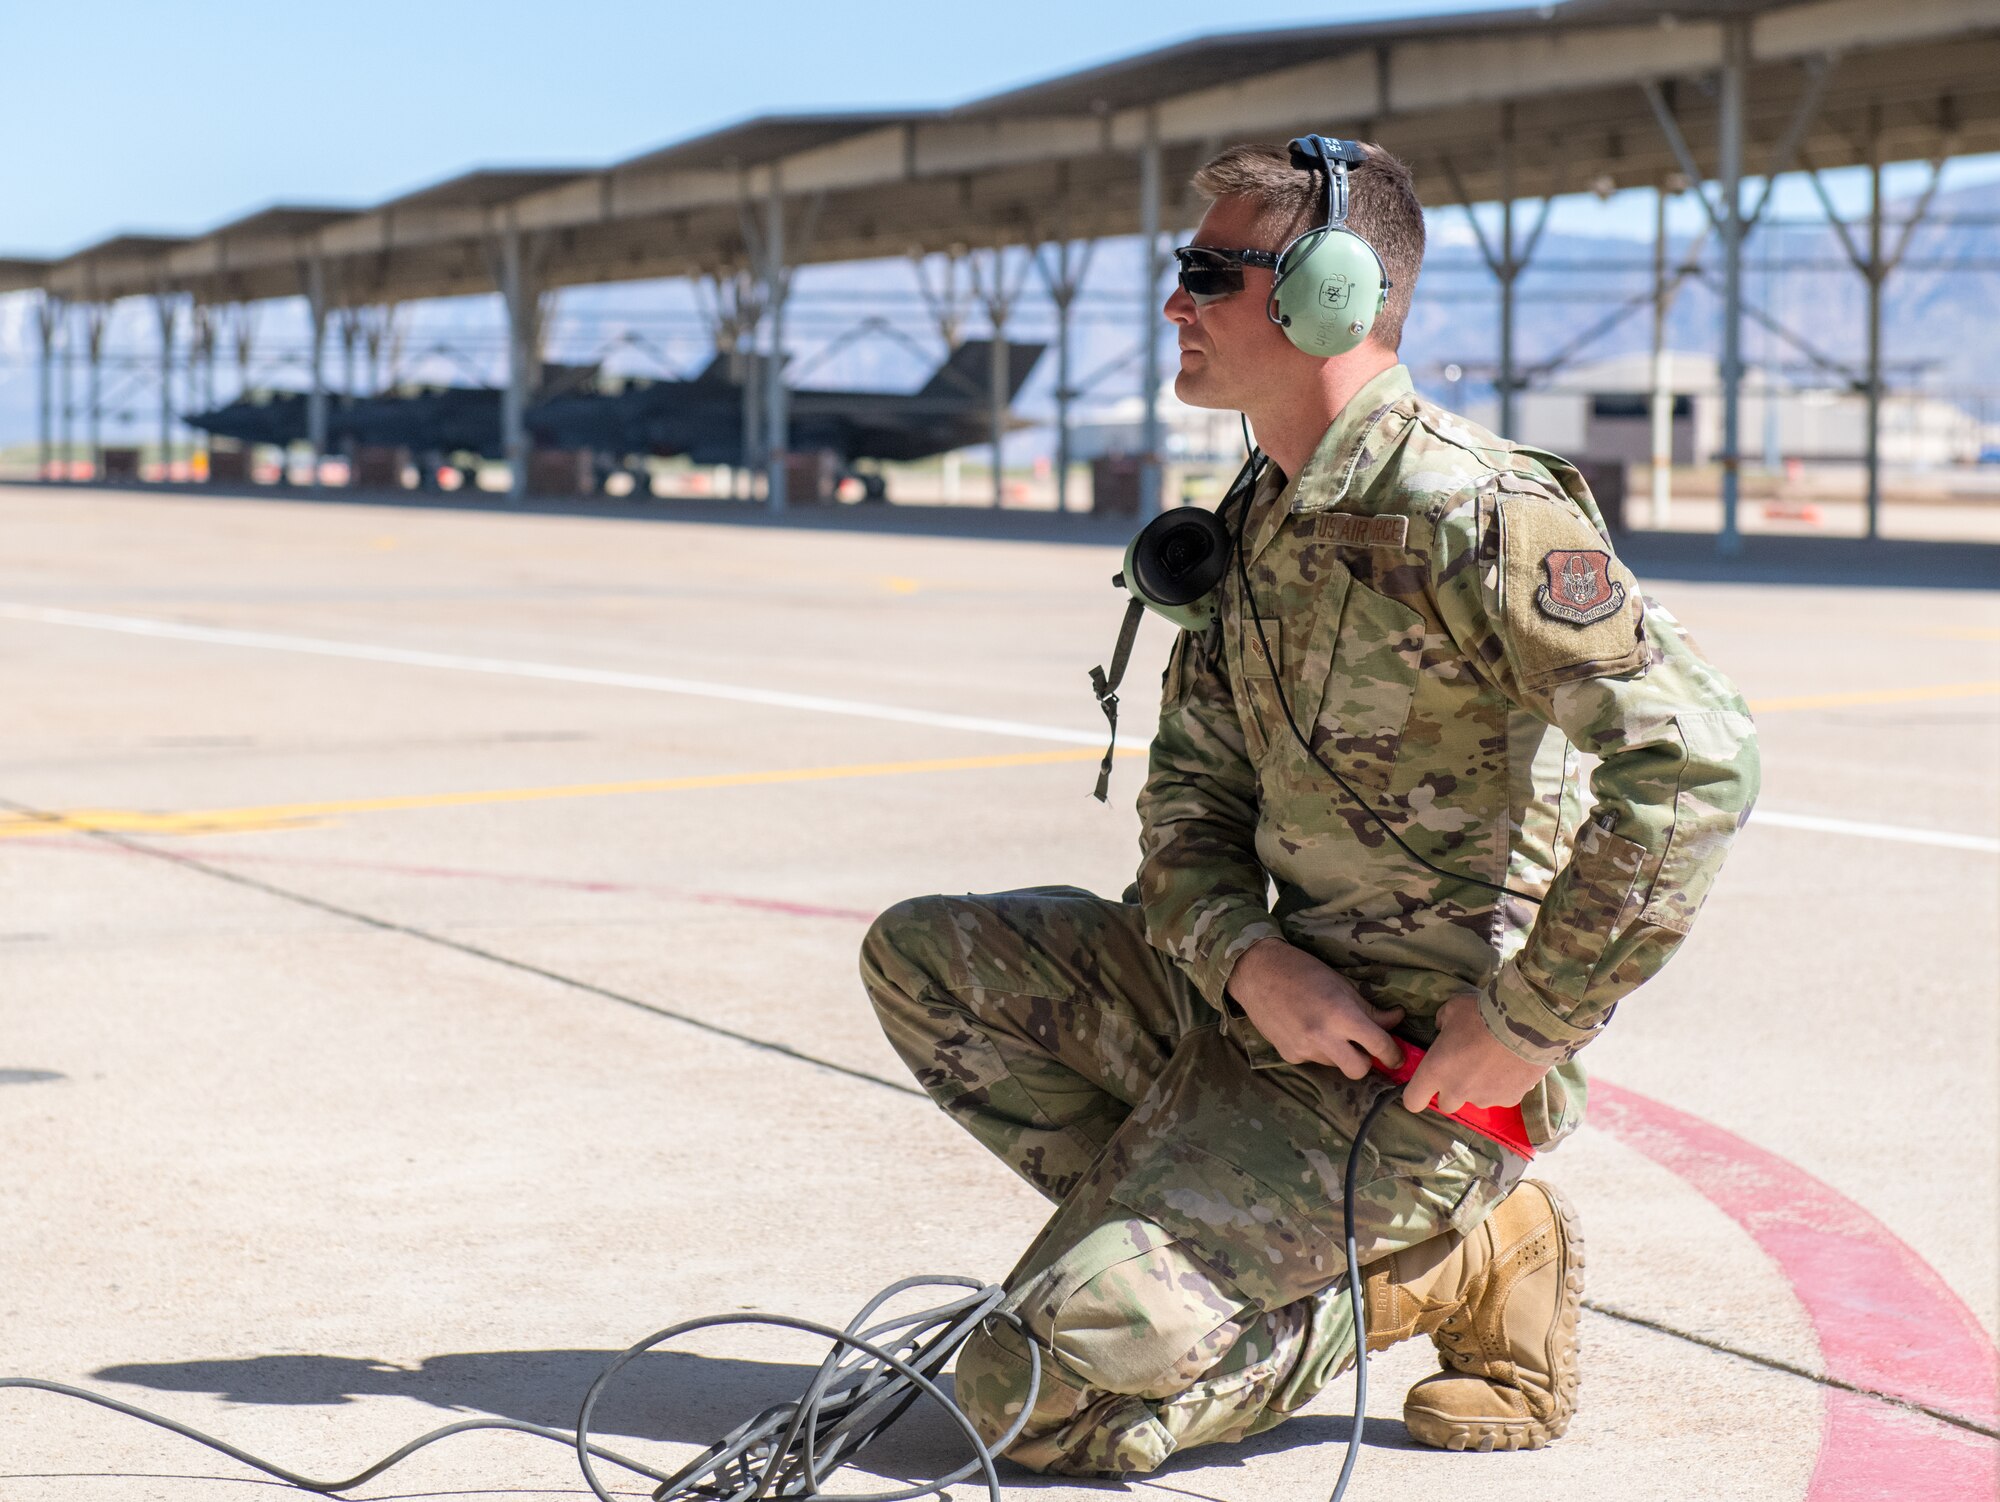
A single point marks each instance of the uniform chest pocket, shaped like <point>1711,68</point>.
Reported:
<point>1257,651</point>
<point>1361,717</point>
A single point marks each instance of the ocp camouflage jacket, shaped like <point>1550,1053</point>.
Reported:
<point>1453,632</point>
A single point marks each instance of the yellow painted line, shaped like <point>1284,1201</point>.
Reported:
<point>294,815</point>
<point>140,821</point>
<point>896,584</point>
<point>1878,696</point>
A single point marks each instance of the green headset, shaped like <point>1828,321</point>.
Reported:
<point>1329,285</point>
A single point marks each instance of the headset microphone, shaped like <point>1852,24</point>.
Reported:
<point>1330,284</point>
<point>1174,566</point>
<point>1175,563</point>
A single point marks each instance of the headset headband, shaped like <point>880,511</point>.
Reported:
<point>1332,157</point>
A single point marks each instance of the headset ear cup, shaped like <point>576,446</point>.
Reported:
<point>1329,287</point>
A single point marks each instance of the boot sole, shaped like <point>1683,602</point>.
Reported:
<point>1428,1427</point>
<point>1440,1433</point>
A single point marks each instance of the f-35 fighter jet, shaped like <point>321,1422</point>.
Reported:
<point>700,418</point>
<point>703,418</point>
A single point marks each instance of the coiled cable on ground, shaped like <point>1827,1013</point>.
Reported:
<point>869,1378</point>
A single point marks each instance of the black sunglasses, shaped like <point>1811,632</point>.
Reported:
<point>1208,273</point>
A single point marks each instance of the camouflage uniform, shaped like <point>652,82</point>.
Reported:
<point>1451,630</point>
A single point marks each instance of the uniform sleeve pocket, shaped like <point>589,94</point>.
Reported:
<point>1603,876</point>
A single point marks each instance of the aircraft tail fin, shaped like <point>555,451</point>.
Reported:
<point>715,372</point>
<point>965,371</point>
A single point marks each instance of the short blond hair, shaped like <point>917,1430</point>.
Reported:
<point>1382,206</point>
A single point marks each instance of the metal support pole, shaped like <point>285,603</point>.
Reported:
<point>316,393</point>
<point>777,413</point>
<point>1505,259</point>
<point>1663,377</point>
<point>1878,273</point>
<point>1767,349</point>
<point>48,316</point>
<point>1149,370</point>
<point>1735,63</point>
<point>201,374</point>
<point>1065,396</point>
<point>738,310</point>
<point>996,406</point>
<point>243,339</point>
<point>95,316</point>
<point>350,336</point>
<point>167,306</point>
<point>753,414</point>
<point>67,314</point>
<point>393,329</point>
<point>1875,267</point>
<point>1064,276</point>
<point>521,302</point>
<point>999,296</point>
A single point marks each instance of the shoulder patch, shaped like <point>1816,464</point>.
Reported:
<point>1569,609</point>
<point>1579,588</point>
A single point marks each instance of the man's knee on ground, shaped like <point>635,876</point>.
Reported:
<point>992,1379</point>
<point>1130,1311</point>
<point>1072,1430</point>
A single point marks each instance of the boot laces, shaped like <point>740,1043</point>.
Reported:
<point>1458,1342</point>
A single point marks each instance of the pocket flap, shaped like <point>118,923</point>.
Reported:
<point>1258,1217</point>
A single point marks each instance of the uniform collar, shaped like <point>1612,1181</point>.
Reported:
<point>1346,461</point>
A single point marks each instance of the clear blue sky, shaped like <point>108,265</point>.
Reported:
<point>134,114</point>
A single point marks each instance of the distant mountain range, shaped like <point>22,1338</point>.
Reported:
<point>1942,323</point>
<point>1941,311</point>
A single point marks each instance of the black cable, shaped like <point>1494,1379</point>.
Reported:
<point>306,1483</point>
<point>1355,1292</point>
<point>1254,468</point>
<point>846,1406</point>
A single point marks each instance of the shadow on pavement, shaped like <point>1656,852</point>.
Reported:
<point>678,1398</point>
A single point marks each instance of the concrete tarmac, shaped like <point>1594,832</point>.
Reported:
<point>429,951</point>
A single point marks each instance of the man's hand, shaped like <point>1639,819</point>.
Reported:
<point>1467,1065</point>
<point>1310,1012</point>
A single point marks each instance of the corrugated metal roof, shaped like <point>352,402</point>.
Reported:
<point>481,188</point>
<point>121,248</point>
<point>20,272</point>
<point>1218,58</point>
<point>765,138</point>
<point>281,219</point>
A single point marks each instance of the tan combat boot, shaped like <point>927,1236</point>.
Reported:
<point>1501,1307</point>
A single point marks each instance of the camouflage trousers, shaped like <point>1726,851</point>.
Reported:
<point>1191,1286</point>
